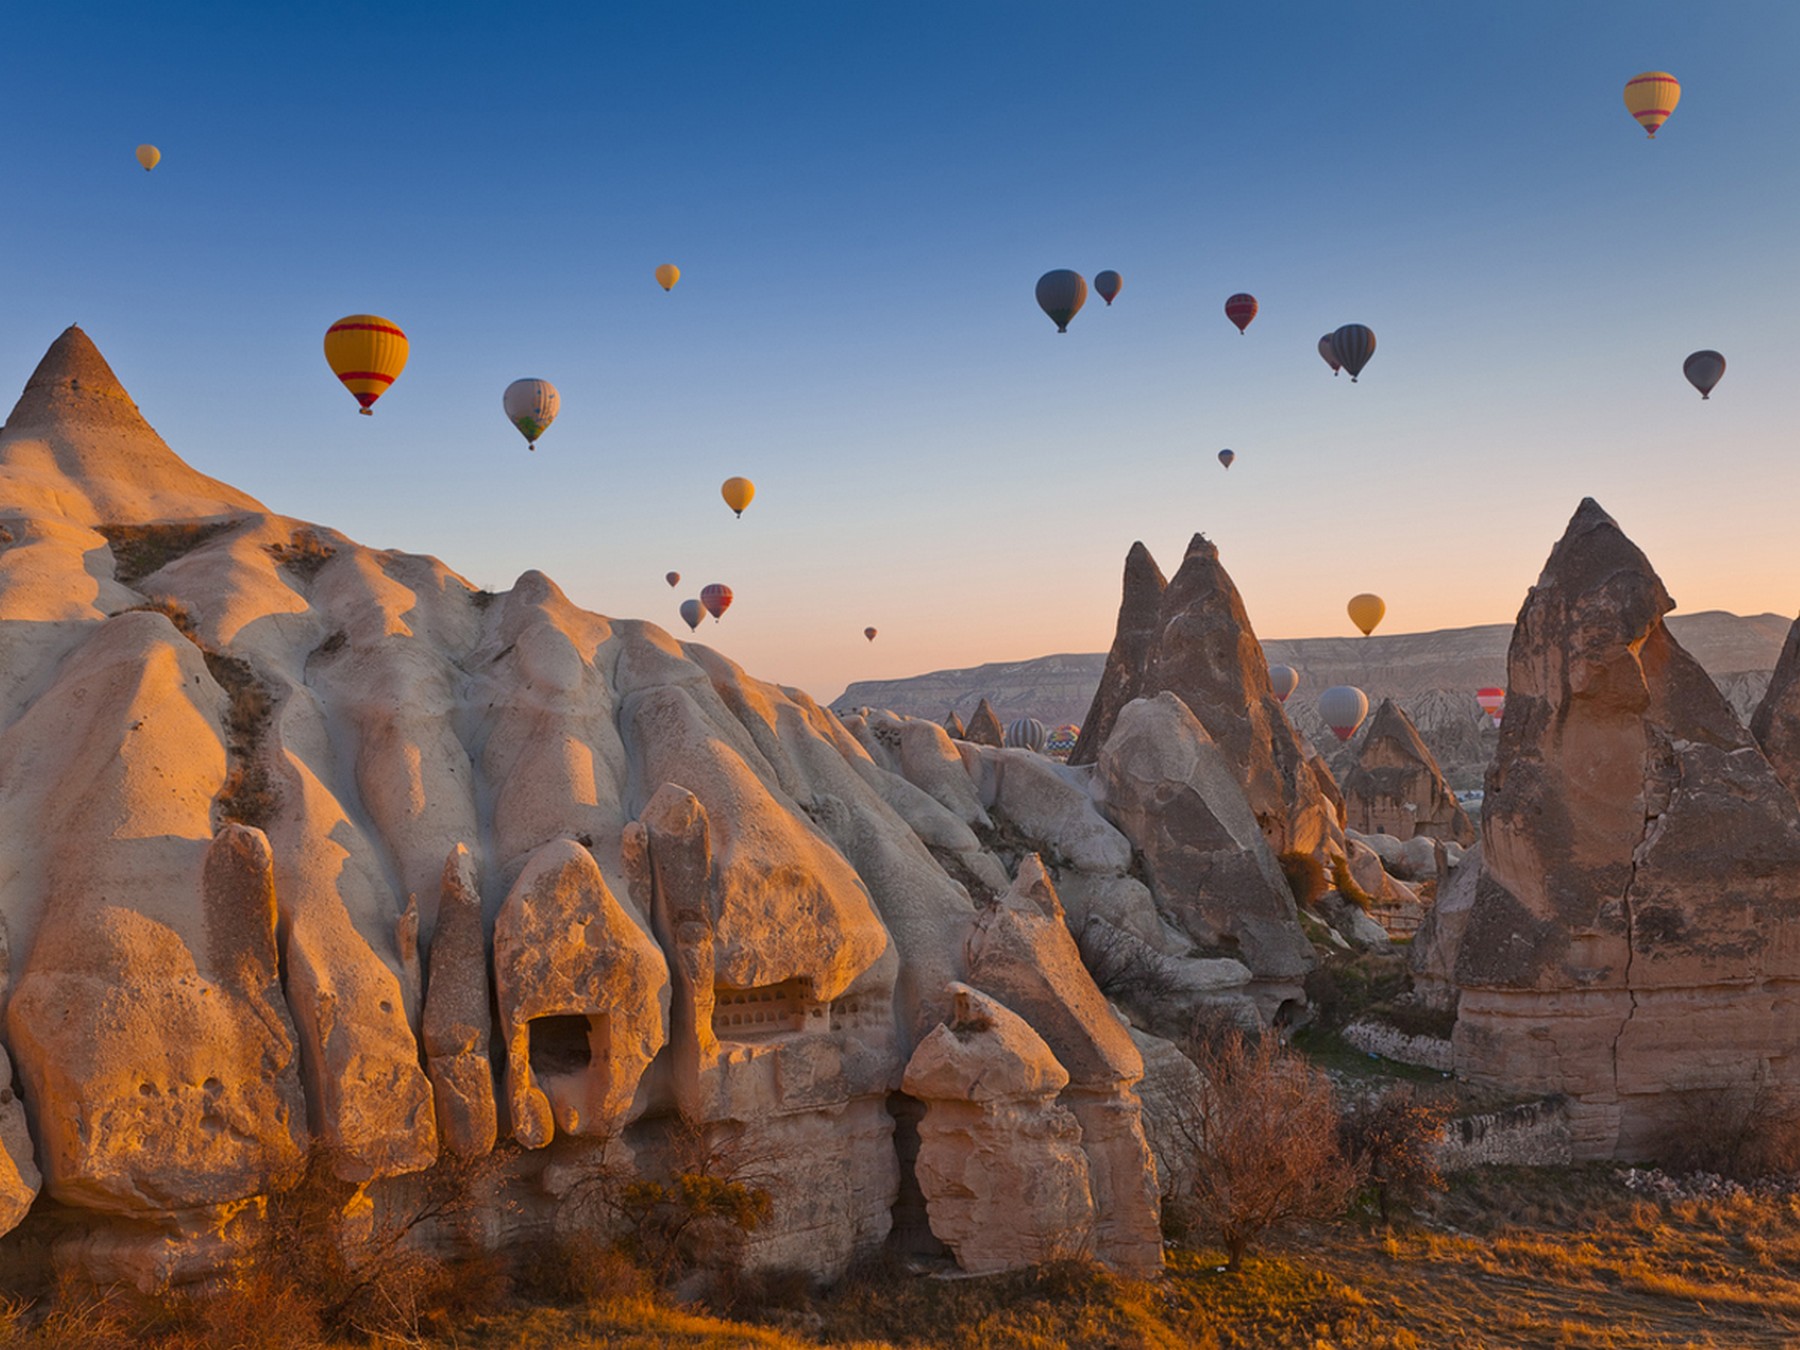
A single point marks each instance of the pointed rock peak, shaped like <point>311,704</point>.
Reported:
<point>1594,563</point>
<point>78,438</point>
<point>984,727</point>
<point>73,379</point>
<point>1201,547</point>
<point>954,726</point>
<point>1139,566</point>
<point>1391,723</point>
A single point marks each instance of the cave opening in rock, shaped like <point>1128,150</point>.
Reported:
<point>561,1045</point>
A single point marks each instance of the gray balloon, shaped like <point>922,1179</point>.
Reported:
<point>692,611</point>
<point>1704,370</point>
<point>1061,294</point>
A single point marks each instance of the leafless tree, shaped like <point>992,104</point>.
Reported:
<point>1264,1144</point>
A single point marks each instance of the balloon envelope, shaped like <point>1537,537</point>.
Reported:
<point>1704,370</point>
<point>366,352</point>
<point>1027,734</point>
<point>1240,309</point>
<point>1061,294</point>
<point>667,275</point>
<point>1284,680</point>
<point>1493,703</point>
<point>673,578</point>
<point>531,406</point>
<point>717,599</point>
<point>148,156</point>
<point>737,493</point>
<point>1365,611</point>
<point>691,612</point>
<point>1343,707</point>
<point>1651,97</point>
<point>869,633</point>
<point>1327,351</point>
<point>1226,456</point>
<point>1107,285</point>
<point>1353,345</point>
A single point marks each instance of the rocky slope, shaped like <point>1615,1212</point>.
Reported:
<point>315,850</point>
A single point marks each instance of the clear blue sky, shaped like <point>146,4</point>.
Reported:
<point>861,198</point>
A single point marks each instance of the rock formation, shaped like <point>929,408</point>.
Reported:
<point>1200,647</point>
<point>1776,722</point>
<point>954,725</point>
<point>1627,939</point>
<point>1000,1162</point>
<point>984,727</point>
<point>1396,787</point>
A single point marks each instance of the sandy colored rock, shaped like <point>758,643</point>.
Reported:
<point>1168,787</point>
<point>1628,935</point>
<point>583,994</point>
<point>1000,1163</point>
<point>1432,955</point>
<point>1173,1093</point>
<point>458,1023</point>
<point>1397,788</point>
<point>1134,640</point>
<point>984,727</point>
<point>1776,722</point>
<point>954,726</point>
<point>1021,953</point>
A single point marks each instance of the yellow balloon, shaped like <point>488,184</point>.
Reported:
<point>737,493</point>
<point>1366,611</point>
<point>1651,97</point>
<point>148,155</point>
<point>366,352</point>
<point>667,275</point>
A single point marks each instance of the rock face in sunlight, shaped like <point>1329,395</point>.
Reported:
<point>1192,638</point>
<point>1629,939</point>
<point>315,849</point>
<point>1396,787</point>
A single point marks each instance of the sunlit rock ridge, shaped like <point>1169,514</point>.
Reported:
<point>316,850</point>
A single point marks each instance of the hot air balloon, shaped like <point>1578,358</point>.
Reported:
<point>1365,611</point>
<point>1061,294</point>
<point>869,633</point>
<point>1326,350</point>
<point>1651,97</point>
<point>366,352</point>
<point>531,407</point>
<point>673,578</point>
<point>716,598</point>
<point>1240,309</point>
<point>1492,702</point>
<point>1226,456</point>
<point>1284,680</point>
<point>1027,734</point>
<point>1353,345</point>
<point>667,275</point>
<point>1343,707</point>
<point>1107,286</point>
<point>737,493</point>
<point>1062,740</point>
<point>691,610</point>
<point>148,156</point>
<point>1704,370</point>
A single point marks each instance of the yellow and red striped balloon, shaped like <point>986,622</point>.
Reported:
<point>366,352</point>
<point>1651,97</point>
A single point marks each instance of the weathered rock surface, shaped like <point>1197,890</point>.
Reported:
<point>1021,953</point>
<point>984,727</point>
<point>1432,955</point>
<point>1201,648</point>
<point>583,994</point>
<point>1776,721</point>
<point>458,1024</point>
<point>1397,788</point>
<point>1172,792</point>
<point>1629,937</point>
<point>1000,1162</point>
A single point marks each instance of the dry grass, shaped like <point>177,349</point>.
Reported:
<point>140,550</point>
<point>1563,1258</point>
<point>303,555</point>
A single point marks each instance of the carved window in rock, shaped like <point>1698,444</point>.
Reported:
<point>861,1012</point>
<point>766,1011</point>
<point>571,1057</point>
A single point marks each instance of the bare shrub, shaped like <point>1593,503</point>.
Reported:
<point>1744,1132</point>
<point>1345,884</point>
<point>1265,1144</point>
<point>1392,1141</point>
<point>139,550</point>
<point>1305,876</point>
<point>1128,970</point>
<point>304,553</point>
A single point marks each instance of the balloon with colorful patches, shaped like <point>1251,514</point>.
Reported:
<point>531,406</point>
<point>1493,703</point>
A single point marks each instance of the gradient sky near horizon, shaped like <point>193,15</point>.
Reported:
<point>861,198</point>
